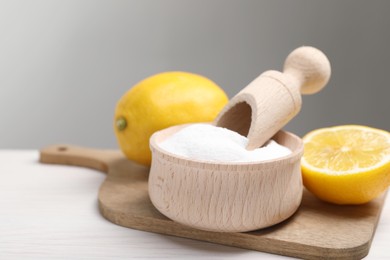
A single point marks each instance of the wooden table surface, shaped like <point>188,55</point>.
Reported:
<point>51,212</point>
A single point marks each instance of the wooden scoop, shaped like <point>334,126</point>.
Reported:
<point>270,101</point>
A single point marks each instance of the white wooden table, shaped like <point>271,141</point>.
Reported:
<point>51,212</point>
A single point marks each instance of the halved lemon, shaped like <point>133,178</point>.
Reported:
<point>347,164</point>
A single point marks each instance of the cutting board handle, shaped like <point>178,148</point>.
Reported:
<point>97,159</point>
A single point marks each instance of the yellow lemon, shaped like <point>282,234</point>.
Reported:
<point>347,164</point>
<point>160,101</point>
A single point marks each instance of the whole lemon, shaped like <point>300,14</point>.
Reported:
<point>160,101</point>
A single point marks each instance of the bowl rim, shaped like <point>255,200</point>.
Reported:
<point>295,155</point>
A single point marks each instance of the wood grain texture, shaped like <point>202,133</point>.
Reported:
<point>317,230</point>
<point>226,197</point>
<point>270,101</point>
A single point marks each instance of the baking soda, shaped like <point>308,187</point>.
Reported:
<point>210,143</point>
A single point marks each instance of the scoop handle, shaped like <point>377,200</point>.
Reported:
<point>309,67</point>
<point>271,100</point>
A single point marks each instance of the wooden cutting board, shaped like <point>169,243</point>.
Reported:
<point>317,230</point>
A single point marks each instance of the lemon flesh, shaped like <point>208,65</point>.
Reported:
<point>160,101</point>
<point>347,164</point>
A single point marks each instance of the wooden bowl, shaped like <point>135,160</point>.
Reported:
<point>226,197</point>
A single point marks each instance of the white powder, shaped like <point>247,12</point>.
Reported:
<point>210,143</point>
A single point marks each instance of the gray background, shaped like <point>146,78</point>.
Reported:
<point>64,64</point>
